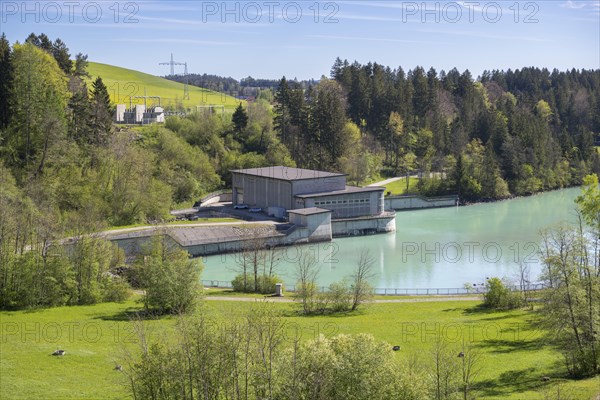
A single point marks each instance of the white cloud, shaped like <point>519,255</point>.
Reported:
<point>200,23</point>
<point>373,39</point>
<point>484,35</point>
<point>573,5</point>
<point>369,18</point>
<point>179,40</point>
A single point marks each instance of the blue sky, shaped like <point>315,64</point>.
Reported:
<point>269,39</point>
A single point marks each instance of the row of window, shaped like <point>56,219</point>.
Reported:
<point>335,202</point>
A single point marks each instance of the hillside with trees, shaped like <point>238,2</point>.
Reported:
<point>66,170</point>
<point>505,133</point>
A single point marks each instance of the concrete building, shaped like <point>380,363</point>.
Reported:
<point>316,222</point>
<point>289,188</point>
<point>139,115</point>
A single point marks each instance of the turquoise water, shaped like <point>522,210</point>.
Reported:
<point>436,248</point>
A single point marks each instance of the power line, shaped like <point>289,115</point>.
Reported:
<point>172,64</point>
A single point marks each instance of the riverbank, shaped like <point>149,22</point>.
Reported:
<point>487,201</point>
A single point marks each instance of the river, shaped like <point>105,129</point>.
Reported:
<point>436,248</point>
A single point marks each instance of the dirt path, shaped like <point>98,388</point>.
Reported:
<point>290,300</point>
<point>383,183</point>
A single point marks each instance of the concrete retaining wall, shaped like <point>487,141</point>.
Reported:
<point>221,198</point>
<point>202,241</point>
<point>414,201</point>
<point>363,226</point>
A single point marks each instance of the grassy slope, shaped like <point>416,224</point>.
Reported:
<point>122,83</point>
<point>515,356</point>
<point>399,186</point>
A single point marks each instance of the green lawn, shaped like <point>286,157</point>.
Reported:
<point>123,83</point>
<point>399,187</point>
<point>514,354</point>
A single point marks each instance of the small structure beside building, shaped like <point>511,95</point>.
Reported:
<point>139,115</point>
<point>316,222</point>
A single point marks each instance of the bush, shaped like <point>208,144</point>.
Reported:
<point>498,296</point>
<point>339,296</point>
<point>115,289</point>
<point>266,283</point>
<point>171,279</point>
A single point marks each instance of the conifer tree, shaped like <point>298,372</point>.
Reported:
<point>5,80</point>
<point>240,119</point>
<point>101,118</point>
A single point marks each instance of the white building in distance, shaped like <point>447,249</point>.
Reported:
<point>139,115</point>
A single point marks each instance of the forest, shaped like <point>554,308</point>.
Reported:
<point>506,133</point>
<point>229,85</point>
<point>67,171</point>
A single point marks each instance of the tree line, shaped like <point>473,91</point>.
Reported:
<point>505,133</point>
<point>233,86</point>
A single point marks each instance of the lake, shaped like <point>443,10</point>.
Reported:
<point>435,248</point>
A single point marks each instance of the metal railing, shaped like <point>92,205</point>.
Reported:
<point>399,291</point>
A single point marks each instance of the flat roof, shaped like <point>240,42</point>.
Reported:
<point>287,173</point>
<point>309,211</point>
<point>348,190</point>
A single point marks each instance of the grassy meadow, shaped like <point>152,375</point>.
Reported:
<point>514,355</point>
<point>123,83</point>
<point>399,187</point>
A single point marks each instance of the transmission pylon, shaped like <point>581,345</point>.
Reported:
<point>186,90</point>
<point>172,64</point>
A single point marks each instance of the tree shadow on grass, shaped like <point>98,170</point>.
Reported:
<point>492,315</point>
<point>478,309</point>
<point>522,336</point>
<point>132,314</point>
<point>511,382</point>
<point>298,312</point>
<point>508,345</point>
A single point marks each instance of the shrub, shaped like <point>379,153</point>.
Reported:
<point>339,296</point>
<point>499,296</point>
<point>115,289</point>
<point>171,279</point>
<point>266,283</point>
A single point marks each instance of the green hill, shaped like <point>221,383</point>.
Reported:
<point>123,83</point>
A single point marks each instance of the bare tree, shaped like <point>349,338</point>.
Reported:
<point>557,392</point>
<point>470,369</point>
<point>360,287</point>
<point>306,278</point>
<point>249,261</point>
<point>524,281</point>
<point>444,371</point>
<point>272,259</point>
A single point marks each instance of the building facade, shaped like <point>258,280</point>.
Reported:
<point>139,115</point>
<point>295,188</point>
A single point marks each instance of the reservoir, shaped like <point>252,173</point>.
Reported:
<point>434,248</point>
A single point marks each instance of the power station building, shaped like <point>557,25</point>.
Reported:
<point>280,189</point>
<point>139,114</point>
